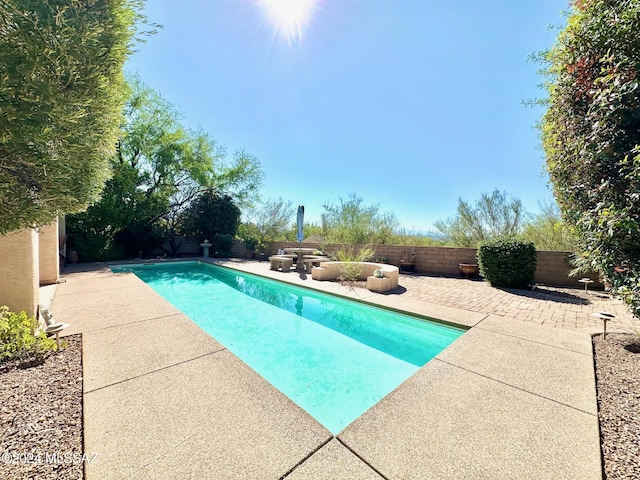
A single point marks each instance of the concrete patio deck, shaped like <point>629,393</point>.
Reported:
<point>508,399</point>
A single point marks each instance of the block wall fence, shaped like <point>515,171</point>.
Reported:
<point>552,267</point>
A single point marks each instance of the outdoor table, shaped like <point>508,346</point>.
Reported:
<point>300,252</point>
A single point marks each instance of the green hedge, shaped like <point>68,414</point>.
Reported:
<point>507,263</point>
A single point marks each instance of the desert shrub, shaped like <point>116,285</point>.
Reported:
<point>507,263</point>
<point>495,215</point>
<point>17,338</point>
<point>353,222</point>
<point>350,270</point>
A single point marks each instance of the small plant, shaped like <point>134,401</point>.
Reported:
<point>17,338</point>
<point>350,270</point>
<point>408,256</point>
<point>353,255</point>
<point>383,260</point>
<point>407,260</point>
<point>507,263</point>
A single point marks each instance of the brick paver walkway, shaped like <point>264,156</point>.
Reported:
<point>558,307</point>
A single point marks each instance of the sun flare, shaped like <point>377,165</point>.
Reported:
<point>289,18</point>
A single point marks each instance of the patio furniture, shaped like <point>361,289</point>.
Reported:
<point>280,262</point>
<point>311,261</point>
<point>300,253</point>
<point>388,281</point>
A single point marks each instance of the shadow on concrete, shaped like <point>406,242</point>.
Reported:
<point>399,290</point>
<point>551,295</point>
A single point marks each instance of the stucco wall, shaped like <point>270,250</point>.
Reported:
<point>49,260</point>
<point>19,271</point>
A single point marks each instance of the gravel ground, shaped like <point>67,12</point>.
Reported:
<point>41,417</point>
<point>41,412</point>
<point>617,360</point>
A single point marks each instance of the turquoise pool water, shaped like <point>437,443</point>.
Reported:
<point>335,358</point>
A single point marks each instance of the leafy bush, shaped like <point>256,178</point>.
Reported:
<point>139,237</point>
<point>507,263</point>
<point>250,243</point>
<point>121,223</point>
<point>17,339</point>
<point>92,246</point>
<point>591,137</point>
<point>222,244</point>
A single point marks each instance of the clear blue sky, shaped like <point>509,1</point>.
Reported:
<point>410,104</point>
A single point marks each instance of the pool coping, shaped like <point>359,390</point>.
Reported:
<point>506,400</point>
<point>450,316</point>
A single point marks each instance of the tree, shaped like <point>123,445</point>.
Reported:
<point>547,231</point>
<point>492,216</point>
<point>159,167</point>
<point>591,137</point>
<point>351,221</point>
<point>212,214</point>
<point>120,224</point>
<point>61,96</point>
<point>268,223</point>
<point>310,229</point>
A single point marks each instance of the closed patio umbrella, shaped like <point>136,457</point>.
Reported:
<point>299,234</point>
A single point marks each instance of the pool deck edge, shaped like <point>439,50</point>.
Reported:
<point>391,300</point>
<point>507,400</point>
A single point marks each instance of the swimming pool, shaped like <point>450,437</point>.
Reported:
<point>335,358</point>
